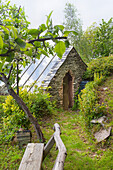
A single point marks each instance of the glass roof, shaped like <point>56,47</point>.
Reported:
<point>38,71</point>
<point>42,70</point>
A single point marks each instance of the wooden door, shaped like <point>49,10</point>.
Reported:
<point>67,91</point>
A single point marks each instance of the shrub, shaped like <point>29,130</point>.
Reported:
<point>38,103</point>
<point>88,101</point>
<point>13,115</point>
<point>76,103</point>
<point>2,100</point>
<point>102,65</point>
<point>41,106</point>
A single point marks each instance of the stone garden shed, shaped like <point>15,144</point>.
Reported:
<point>65,77</point>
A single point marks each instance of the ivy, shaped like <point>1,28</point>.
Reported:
<point>1,43</point>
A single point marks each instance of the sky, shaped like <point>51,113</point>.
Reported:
<point>89,10</point>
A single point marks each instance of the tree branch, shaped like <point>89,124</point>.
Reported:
<point>19,9</point>
<point>45,39</point>
<point>23,106</point>
<point>10,71</point>
<point>6,54</point>
<point>31,41</point>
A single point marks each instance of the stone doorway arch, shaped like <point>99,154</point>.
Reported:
<point>67,91</point>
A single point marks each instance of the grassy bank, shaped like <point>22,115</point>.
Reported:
<point>83,152</point>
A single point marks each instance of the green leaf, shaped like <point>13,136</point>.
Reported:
<point>48,34</point>
<point>66,33</point>
<point>28,45</point>
<point>60,48</point>
<point>10,57</point>
<point>24,63</point>
<point>59,27</point>
<point>9,27</point>
<point>20,42</point>
<point>7,20</point>
<point>5,29</point>
<point>14,31</point>
<point>67,44</point>
<point>43,52</point>
<point>33,32</point>
<point>37,44</point>
<point>28,53</point>
<point>14,64</point>
<point>1,65</point>
<point>42,27</point>
<point>1,42</point>
<point>48,18</point>
<point>74,32</point>
<point>50,51</point>
<point>6,37</point>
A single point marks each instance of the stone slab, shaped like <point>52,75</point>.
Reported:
<point>102,134</point>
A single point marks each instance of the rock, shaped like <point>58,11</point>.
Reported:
<point>100,120</point>
<point>105,88</point>
<point>102,134</point>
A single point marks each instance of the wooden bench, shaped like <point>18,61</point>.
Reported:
<point>36,152</point>
<point>33,156</point>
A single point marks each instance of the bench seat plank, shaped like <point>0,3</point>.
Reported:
<point>32,159</point>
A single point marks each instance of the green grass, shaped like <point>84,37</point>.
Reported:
<point>10,157</point>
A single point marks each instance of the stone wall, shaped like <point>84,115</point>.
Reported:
<point>76,67</point>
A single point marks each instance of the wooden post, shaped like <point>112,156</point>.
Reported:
<point>48,146</point>
<point>59,163</point>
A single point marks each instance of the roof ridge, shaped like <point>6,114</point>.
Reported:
<point>55,67</point>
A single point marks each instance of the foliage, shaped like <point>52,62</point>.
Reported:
<point>97,41</point>
<point>13,112</point>
<point>102,65</point>
<point>73,22</point>
<point>103,40</point>
<point>108,96</point>
<point>41,105</point>
<point>88,101</point>
<point>76,104</point>
<point>2,100</point>
<point>87,39</point>
<point>38,103</point>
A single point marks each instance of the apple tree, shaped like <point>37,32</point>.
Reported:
<point>19,45</point>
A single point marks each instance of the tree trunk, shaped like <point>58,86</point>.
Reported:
<point>20,102</point>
